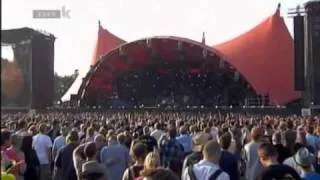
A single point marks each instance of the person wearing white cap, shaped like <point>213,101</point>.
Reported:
<point>305,160</point>
<point>198,141</point>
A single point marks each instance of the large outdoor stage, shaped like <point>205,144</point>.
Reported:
<point>174,71</point>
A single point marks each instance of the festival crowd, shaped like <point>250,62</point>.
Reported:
<point>152,145</point>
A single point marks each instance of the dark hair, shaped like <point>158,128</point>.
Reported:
<point>139,150</point>
<point>26,145</point>
<point>5,136</point>
<point>225,141</point>
<point>310,129</point>
<point>268,150</point>
<point>90,150</point>
<point>161,174</point>
<point>22,124</point>
<point>42,128</point>
<point>91,176</point>
<point>290,124</point>
<point>172,132</point>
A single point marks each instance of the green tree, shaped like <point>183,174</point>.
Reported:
<point>63,83</point>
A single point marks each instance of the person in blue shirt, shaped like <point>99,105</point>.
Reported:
<point>185,140</point>
<point>304,159</point>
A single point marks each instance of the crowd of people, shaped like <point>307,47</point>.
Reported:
<point>154,145</point>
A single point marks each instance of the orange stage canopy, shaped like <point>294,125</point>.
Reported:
<point>264,56</point>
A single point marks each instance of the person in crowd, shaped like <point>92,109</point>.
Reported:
<point>64,161</point>
<point>100,142</point>
<point>301,139</point>
<point>139,152</point>
<point>290,160</point>
<point>55,130</point>
<point>251,151</point>
<point>311,139</point>
<point>59,141</point>
<point>5,140</point>
<point>15,154</point>
<point>79,158</point>
<point>152,162</point>
<point>208,168</point>
<point>157,132</point>
<point>185,140</point>
<point>268,157</point>
<point>290,137</point>
<point>32,161</point>
<point>22,128</point>
<point>90,135</point>
<point>32,130</point>
<point>283,152</point>
<point>115,157</point>
<point>161,174</point>
<point>82,132</point>
<point>198,142</point>
<point>42,144</point>
<point>228,162</point>
<point>172,153</point>
<point>305,160</point>
<point>148,140</point>
<point>236,137</point>
<point>91,169</point>
<point>7,167</point>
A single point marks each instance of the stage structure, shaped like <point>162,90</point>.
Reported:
<point>164,71</point>
<point>27,73</point>
<point>307,53</point>
<point>167,70</point>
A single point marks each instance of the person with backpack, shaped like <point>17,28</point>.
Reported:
<point>208,168</point>
<point>198,141</point>
<point>139,152</point>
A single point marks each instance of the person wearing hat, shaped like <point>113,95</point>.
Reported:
<point>268,157</point>
<point>198,141</point>
<point>304,159</point>
<point>91,169</point>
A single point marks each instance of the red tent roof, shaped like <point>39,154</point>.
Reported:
<point>106,41</point>
<point>265,57</point>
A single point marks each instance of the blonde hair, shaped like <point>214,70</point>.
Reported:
<point>151,162</point>
<point>317,131</point>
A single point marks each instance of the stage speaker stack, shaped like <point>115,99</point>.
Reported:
<point>299,53</point>
<point>313,52</point>
<point>34,58</point>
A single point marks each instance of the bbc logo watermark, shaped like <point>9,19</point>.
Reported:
<point>51,14</point>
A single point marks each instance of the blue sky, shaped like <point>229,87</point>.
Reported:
<point>134,19</point>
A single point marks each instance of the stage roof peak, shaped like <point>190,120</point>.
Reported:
<point>265,57</point>
<point>106,41</point>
